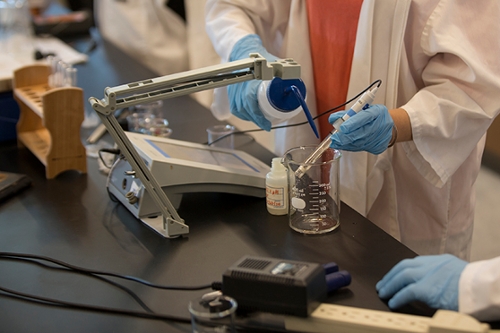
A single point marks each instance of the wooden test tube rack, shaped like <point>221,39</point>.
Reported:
<point>49,120</point>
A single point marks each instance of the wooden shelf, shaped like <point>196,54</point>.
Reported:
<point>32,97</point>
<point>49,121</point>
<point>38,142</point>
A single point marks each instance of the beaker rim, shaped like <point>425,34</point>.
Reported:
<point>337,154</point>
<point>197,309</point>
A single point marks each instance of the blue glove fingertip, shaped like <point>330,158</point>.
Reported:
<point>385,292</point>
<point>378,286</point>
<point>334,116</point>
<point>404,296</point>
<point>265,124</point>
<point>393,304</point>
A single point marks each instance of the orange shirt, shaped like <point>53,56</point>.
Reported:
<point>332,33</point>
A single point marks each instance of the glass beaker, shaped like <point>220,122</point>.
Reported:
<point>219,136</point>
<point>213,315</point>
<point>159,127</point>
<point>314,203</point>
<point>154,108</point>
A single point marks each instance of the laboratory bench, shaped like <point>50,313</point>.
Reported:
<point>73,219</point>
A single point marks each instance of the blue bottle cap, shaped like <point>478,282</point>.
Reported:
<point>281,97</point>
<point>287,95</point>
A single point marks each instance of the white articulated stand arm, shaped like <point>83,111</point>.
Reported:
<point>255,67</point>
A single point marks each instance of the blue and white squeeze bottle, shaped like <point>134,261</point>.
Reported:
<point>280,100</point>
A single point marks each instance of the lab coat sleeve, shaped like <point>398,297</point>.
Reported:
<point>479,290</point>
<point>459,86</point>
<point>229,21</point>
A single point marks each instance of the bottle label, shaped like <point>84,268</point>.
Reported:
<point>275,197</point>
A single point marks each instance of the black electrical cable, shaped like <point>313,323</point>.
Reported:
<point>108,281</point>
<point>6,292</point>
<point>86,307</point>
<point>246,327</point>
<point>376,82</point>
<point>96,274</point>
<point>114,151</point>
<point>213,285</point>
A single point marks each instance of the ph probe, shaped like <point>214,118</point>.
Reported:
<point>362,103</point>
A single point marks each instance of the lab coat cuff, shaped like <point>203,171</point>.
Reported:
<point>416,152</point>
<point>465,294</point>
<point>422,165</point>
<point>478,290</point>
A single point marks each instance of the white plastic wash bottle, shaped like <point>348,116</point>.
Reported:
<point>280,100</point>
<point>277,188</point>
<point>277,101</point>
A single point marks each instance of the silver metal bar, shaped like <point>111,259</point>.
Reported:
<point>173,223</point>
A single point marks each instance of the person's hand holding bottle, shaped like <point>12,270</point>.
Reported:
<point>243,96</point>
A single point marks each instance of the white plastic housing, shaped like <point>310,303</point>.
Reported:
<point>273,115</point>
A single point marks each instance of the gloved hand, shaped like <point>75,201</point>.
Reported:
<point>369,130</point>
<point>243,96</point>
<point>429,279</point>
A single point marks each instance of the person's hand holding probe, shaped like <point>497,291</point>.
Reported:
<point>369,130</point>
<point>430,279</point>
<point>243,96</point>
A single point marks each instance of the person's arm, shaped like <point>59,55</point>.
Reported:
<point>403,125</point>
<point>445,282</point>
<point>238,28</point>
<point>228,21</point>
<point>458,81</point>
<point>373,130</point>
<point>457,76</point>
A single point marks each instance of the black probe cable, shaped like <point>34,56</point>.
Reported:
<point>100,278</point>
<point>6,292</point>
<point>214,285</point>
<point>376,82</point>
<point>94,273</point>
<point>246,327</point>
<point>95,308</point>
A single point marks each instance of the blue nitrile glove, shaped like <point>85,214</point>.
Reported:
<point>243,96</point>
<point>369,130</point>
<point>429,279</point>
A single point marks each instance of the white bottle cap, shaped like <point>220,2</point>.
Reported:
<point>276,165</point>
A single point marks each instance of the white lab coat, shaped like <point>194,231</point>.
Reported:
<point>445,73</point>
<point>147,30</point>
<point>157,37</point>
<point>479,290</point>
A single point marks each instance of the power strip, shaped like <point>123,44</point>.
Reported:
<point>330,318</point>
